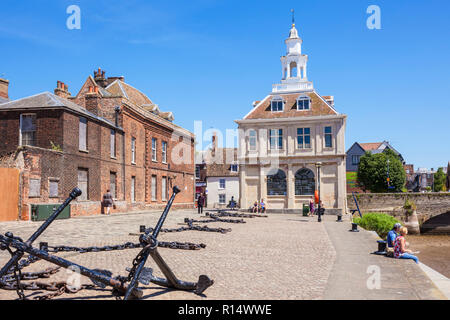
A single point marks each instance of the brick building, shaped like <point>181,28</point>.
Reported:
<point>109,136</point>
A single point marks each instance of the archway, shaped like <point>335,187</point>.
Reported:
<point>305,183</point>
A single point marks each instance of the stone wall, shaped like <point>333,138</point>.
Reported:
<point>433,209</point>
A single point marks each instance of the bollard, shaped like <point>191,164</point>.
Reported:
<point>339,218</point>
<point>354,227</point>
<point>141,229</point>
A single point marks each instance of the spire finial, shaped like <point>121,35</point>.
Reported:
<point>293,17</point>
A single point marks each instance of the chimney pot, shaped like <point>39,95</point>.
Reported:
<point>96,89</point>
<point>90,89</point>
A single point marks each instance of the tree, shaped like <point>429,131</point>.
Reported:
<point>439,180</point>
<point>373,172</point>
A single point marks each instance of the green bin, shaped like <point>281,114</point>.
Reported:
<point>41,212</point>
<point>305,210</point>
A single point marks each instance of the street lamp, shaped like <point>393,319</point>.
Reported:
<point>319,209</point>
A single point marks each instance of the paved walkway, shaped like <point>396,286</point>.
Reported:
<point>279,257</point>
<point>356,266</point>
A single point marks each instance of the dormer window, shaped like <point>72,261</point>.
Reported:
<point>303,103</point>
<point>277,104</point>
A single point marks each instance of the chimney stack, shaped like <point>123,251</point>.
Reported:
<point>4,85</point>
<point>99,77</point>
<point>62,90</point>
<point>214,144</point>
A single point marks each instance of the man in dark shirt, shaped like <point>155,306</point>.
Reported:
<point>200,203</point>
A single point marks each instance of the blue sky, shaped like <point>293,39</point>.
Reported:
<point>209,59</point>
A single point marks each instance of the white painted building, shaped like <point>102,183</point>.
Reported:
<point>289,139</point>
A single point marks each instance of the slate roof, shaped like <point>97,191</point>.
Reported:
<point>47,100</point>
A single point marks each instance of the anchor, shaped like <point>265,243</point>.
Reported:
<point>103,278</point>
<point>144,275</point>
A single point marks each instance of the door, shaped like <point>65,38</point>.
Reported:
<point>9,194</point>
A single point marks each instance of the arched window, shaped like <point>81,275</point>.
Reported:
<point>276,184</point>
<point>304,182</point>
<point>277,103</point>
<point>293,67</point>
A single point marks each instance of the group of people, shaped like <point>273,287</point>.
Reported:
<point>312,208</point>
<point>259,207</point>
<point>396,244</point>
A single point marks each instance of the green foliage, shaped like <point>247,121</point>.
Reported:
<point>373,168</point>
<point>439,180</point>
<point>409,207</point>
<point>56,147</point>
<point>381,223</point>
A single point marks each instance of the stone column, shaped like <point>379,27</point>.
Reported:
<point>242,187</point>
<point>290,188</point>
<point>262,184</point>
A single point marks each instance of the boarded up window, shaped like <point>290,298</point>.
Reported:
<point>35,188</point>
<point>83,184</point>
<point>133,188</point>
<point>28,129</point>
<point>164,189</point>
<point>153,188</point>
<point>113,144</point>
<point>53,188</point>
<point>83,134</point>
<point>113,184</point>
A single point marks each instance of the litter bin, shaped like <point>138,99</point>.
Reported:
<point>305,210</point>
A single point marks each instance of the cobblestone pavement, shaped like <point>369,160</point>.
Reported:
<point>279,257</point>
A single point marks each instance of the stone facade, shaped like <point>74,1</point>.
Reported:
<point>292,137</point>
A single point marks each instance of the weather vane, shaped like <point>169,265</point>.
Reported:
<point>293,17</point>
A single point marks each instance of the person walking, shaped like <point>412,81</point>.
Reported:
<point>311,207</point>
<point>200,203</point>
<point>108,201</point>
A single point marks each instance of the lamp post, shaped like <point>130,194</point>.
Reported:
<point>319,209</point>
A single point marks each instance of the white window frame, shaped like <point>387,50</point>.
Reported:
<point>224,198</point>
<point>133,150</point>
<point>20,126</point>
<point>277,139</point>
<point>234,165</point>
<point>197,172</point>
<point>252,135</point>
<point>302,99</point>
<point>277,99</point>
<point>303,135</point>
<point>325,137</point>
<point>353,157</point>
<point>154,150</point>
<point>223,185</point>
<point>164,151</point>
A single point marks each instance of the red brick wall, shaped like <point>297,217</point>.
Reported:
<point>48,128</point>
